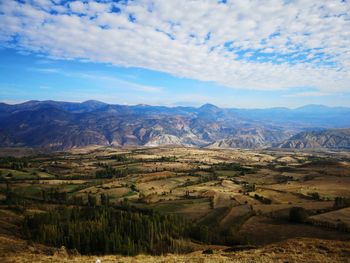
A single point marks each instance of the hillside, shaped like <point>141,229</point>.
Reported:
<point>176,202</point>
<point>287,251</point>
<point>332,139</point>
<point>252,138</point>
<point>63,125</point>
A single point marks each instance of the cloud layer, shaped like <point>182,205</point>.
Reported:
<point>251,44</point>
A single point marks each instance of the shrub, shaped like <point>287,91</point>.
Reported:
<point>208,251</point>
<point>315,196</point>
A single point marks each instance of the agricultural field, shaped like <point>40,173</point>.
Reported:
<point>235,197</point>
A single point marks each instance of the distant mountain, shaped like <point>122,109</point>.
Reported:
<point>62,125</point>
<point>332,138</point>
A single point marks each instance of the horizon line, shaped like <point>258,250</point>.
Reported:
<point>7,102</point>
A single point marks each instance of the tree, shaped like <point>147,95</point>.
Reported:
<point>133,188</point>
<point>315,196</point>
<point>108,230</point>
<point>120,157</point>
<point>10,196</point>
<point>43,195</point>
<point>91,200</point>
<point>104,200</point>
<point>78,200</point>
<point>340,202</point>
<point>297,215</point>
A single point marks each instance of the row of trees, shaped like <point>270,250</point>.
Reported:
<point>105,229</point>
<point>263,199</point>
<point>92,200</point>
<point>340,202</point>
<point>201,179</point>
<point>120,158</point>
<point>110,172</point>
<point>13,163</point>
<point>55,195</point>
<point>232,167</point>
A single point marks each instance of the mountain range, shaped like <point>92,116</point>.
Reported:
<point>58,125</point>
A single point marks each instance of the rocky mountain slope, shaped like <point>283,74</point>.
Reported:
<point>252,138</point>
<point>62,125</point>
<point>332,138</point>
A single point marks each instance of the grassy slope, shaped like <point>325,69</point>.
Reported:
<point>293,250</point>
<point>14,249</point>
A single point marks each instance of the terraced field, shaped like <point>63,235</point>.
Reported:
<point>243,196</point>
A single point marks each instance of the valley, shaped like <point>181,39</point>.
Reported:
<point>229,198</point>
<point>187,131</point>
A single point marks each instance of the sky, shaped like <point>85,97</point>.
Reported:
<point>238,53</point>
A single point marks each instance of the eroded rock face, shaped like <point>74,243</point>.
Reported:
<point>333,138</point>
<point>252,138</point>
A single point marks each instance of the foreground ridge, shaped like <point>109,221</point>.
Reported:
<point>293,250</point>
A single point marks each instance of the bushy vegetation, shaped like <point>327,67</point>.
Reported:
<point>120,158</point>
<point>208,251</point>
<point>105,229</point>
<point>247,187</point>
<point>54,195</point>
<point>284,179</point>
<point>110,172</point>
<point>233,167</point>
<point>262,199</point>
<point>201,179</point>
<point>13,163</point>
<point>167,159</point>
<point>297,215</point>
<point>340,202</point>
<point>315,195</point>
<point>321,160</point>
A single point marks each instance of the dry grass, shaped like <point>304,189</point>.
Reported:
<point>334,217</point>
<point>278,196</point>
<point>308,205</point>
<point>260,230</point>
<point>295,250</point>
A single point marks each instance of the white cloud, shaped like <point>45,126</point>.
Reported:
<point>195,39</point>
<point>102,79</point>
<point>117,82</point>
<point>45,70</point>
<point>78,7</point>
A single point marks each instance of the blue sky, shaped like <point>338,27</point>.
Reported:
<point>284,54</point>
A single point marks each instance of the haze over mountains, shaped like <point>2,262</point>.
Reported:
<point>62,125</point>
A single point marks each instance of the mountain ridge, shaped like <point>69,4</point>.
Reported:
<point>59,125</point>
<point>330,138</point>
